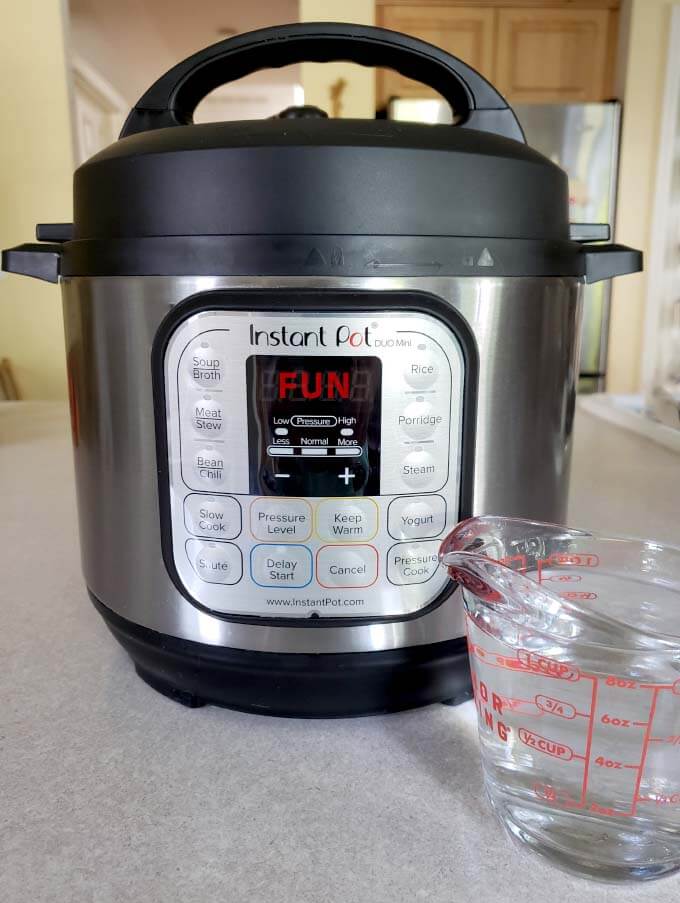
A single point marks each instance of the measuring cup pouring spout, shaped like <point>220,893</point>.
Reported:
<point>574,644</point>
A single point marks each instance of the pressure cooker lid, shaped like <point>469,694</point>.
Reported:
<point>314,175</point>
<point>302,194</point>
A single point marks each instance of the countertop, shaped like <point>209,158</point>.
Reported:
<point>111,792</point>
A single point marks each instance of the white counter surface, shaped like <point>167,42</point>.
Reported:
<point>111,793</point>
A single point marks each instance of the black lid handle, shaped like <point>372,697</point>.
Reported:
<point>172,100</point>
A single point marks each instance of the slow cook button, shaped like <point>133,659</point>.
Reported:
<point>210,466</point>
<point>420,470</point>
<point>346,566</point>
<point>412,562</point>
<point>212,516</point>
<point>272,565</point>
<point>215,562</point>
<point>421,369</point>
<point>419,419</point>
<point>420,518</point>
<point>347,520</point>
<point>207,417</point>
<point>205,365</point>
<point>282,520</point>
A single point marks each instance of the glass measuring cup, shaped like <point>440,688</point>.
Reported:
<point>574,644</point>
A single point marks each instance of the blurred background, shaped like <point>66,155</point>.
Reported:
<point>596,84</point>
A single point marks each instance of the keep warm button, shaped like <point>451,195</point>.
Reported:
<point>412,562</point>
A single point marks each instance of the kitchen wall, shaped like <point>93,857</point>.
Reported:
<point>642,63</point>
<point>357,96</point>
<point>36,164</point>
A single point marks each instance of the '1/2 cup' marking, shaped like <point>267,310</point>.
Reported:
<point>542,744</point>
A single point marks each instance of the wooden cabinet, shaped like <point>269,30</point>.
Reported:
<point>465,31</point>
<point>548,52</point>
<point>552,55</point>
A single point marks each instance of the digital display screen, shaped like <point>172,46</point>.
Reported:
<point>314,425</point>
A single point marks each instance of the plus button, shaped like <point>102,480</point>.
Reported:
<point>347,475</point>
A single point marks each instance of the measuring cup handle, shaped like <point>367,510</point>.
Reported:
<point>172,100</point>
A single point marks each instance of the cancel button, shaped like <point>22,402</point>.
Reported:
<point>412,562</point>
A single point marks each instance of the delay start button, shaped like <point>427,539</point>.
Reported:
<point>346,566</point>
<point>279,565</point>
<point>413,562</point>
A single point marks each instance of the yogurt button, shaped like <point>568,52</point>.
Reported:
<point>409,518</point>
<point>285,566</point>
<point>412,562</point>
<point>421,369</point>
<point>205,365</point>
<point>207,417</point>
<point>346,566</point>
<point>210,466</point>
<point>419,469</point>
<point>213,517</point>
<point>419,419</point>
<point>216,562</point>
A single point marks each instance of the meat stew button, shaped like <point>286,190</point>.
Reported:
<point>346,566</point>
<point>412,562</point>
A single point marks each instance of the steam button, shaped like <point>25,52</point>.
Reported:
<point>420,470</point>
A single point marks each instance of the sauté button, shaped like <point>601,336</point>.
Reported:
<point>207,416</point>
<point>210,466</point>
<point>281,520</point>
<point>279,565</point>
<point>216,562</point>
<point>419,469</point>
<point>346,566</point>
<point>412,562</point>
<point>214,517</point>
<point>409,518</point>
<point>421,369</point>
<point>419,419</point>
<point>205,365</point>
<point>347,520</point>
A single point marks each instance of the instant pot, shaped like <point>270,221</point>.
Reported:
<point>300,351</point>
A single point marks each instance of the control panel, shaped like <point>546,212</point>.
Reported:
<point>314,460</point>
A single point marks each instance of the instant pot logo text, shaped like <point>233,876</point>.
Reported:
<point>342,336</point>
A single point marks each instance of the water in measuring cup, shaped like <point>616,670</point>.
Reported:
<point>581,741</point>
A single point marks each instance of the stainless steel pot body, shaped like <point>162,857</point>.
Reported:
<point>526,334</point>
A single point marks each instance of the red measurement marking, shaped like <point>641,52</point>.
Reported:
<point>621,683</point>
<point>563,578</point>
<point>547,667</point>
<point>674,740</point>
<point>578,597</point>
<point>645,748</point>
<point>555,707</point>
<point>676,688</point>
<point>515,562</point>
<point>549,747</point>
<point>589,742</point>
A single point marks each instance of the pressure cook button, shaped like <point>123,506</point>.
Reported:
<point>206,366</point>
<point>281,520</point>
<point>412,562</point>
<point>278,565</point>
<point>419,419</point>
<point>212,516</point>
<point>210,466</point>
<point>216,562</point>
<point>347,520</point>
<point>420,470</point>
<point>421,369</point>
<point>409,518</point>
<point>207,417</point>
<point>346,566</point>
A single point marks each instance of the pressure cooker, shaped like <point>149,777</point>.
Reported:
<point>299,351</point>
